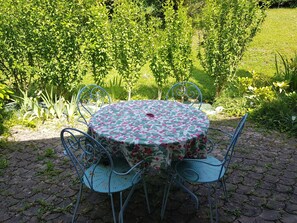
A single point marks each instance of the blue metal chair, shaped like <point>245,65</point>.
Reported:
<point>89,100</point>
<point>98,171</point>
<point>185,92</point>
<point>209,171</point>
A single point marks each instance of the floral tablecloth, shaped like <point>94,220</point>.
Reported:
<point>152,130</point>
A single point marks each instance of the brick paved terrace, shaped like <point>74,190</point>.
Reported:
<point>38,183</point>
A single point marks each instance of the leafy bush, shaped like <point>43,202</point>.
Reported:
<point>40,43</point>
<point>228,27</point>
<point>236,106</point>
<point>172,47</point>
<point>256,89</point>
<point>129,35</point>
<point>5,94</point>
<point>54,43</point>
<point>97,42</point>
<point>280,114</point>
<point>271,102</point>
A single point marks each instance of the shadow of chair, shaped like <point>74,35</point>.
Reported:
<point>89,100</point>
<point>98,171</point>
<point>185,92</point>
<point>210,171</point>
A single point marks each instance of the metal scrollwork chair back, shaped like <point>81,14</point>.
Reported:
<point>209,171</point>
<point>97,170</point>
<point>185,92</point>
<point>89,100</point>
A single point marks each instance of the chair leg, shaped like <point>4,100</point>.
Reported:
<point>190,192</point>
<point>165,197</point>
<point>216,205</point>
<point>121,215</point>
<point>112,208</point>
<point>74,218</point>
<point>146,196</point>
<point>211,204</point>
<point>224,188</point>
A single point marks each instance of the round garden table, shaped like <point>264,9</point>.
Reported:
<point>152,130</point>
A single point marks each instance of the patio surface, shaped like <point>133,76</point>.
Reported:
<point>38,184</point>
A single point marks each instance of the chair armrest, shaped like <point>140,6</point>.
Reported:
<point>130,170</point>
<point>137,173</point>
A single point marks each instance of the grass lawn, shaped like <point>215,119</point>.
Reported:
<point>278,34</point>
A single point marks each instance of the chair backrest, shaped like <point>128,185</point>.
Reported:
<point>90,99</point>
<point>234,139</point>
<point>185,92</point>
<point>84,151</point>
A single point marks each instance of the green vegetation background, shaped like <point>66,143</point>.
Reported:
<point>278,34</point>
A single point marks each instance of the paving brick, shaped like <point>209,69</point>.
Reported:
<point>261,185</point>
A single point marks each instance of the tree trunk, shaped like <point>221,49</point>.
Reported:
<point>129,94</point>
<point>159,93</point>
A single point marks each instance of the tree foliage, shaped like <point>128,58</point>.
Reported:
<point>228,27</point>
<point>16,43</point>
<point>129,33</point>
<point>178,28</point>
<point>97,40</point>
<point>53,43</point>
<point>159,63</point>
<point>172,55</point>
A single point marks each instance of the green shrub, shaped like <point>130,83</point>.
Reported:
<point>130,41</point>
<point>227,27</point>
<point>5,94</point>
<point>40,43</point>
<point>172,46</point>
<point>232,106</point>
<point>280,114</point>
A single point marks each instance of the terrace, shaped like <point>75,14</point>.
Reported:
<point>38,183</point>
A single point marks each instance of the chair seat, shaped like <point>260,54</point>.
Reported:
<point>201,170</point>
<point>101,174</point>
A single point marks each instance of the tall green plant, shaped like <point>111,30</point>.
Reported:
<point>159,63</point>
<point>228,27</point>
<point>289,72</point>
<point>129,32</point>
<point>16,43</point>
<point>40,43</point>
<point>172,48</point>
<point>97,44</point>
<point>178,28</point>
<point>59,39</point>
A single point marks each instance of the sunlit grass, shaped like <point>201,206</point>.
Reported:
<point>278,34</point>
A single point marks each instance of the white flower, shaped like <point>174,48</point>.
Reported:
<point>219,109</point>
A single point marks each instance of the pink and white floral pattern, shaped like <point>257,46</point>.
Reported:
<point>153,130</point>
